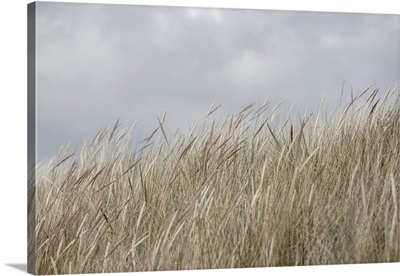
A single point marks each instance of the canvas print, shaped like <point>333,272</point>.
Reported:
<point>179,138</point>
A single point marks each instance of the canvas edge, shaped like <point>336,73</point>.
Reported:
<point>31,124</point>
<point>31,132</point>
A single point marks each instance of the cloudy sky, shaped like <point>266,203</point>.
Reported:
<point>98,63</point>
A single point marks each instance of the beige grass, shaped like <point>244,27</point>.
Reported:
<point>255,190</point>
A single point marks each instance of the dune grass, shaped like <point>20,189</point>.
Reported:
<point>257,189</point>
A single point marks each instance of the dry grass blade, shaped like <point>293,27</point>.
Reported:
<point>143,185</point>
<point>93,180</point>
<point>356,98</point>
<point>116,246</point>
<point>62,161</point>
<point>373,108</point>
<point>107,220</point>
<point>291,133</point>
<point>259,129</point>
<point>98,138</point>
<point>273,136</point>
<point>212,109</point>
<point>53,263</point>
<point>246,108</point>
<point>116,126</point>
<point>308,159</point>
<point>162,130</point>
<point>105,186</point>
<point>130,167</point>
<point>151,136</point>
<point>85,175</point>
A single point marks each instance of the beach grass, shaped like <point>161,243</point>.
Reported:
<point>256,189</point>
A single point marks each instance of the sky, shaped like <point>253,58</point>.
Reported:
<point>99,63</point>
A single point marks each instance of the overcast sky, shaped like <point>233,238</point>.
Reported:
<point>98,63</point>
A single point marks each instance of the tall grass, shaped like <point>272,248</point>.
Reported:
<point>257,189</point>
